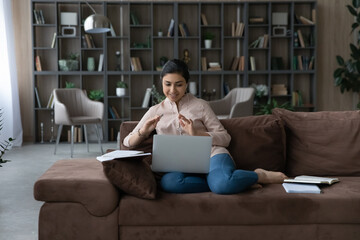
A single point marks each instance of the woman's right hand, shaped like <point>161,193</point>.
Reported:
<point>150,125</point>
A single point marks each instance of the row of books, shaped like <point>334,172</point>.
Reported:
<point>50,103</point>
<point>39,17</point>
<point>238,63</point>
<point>88,41</point>
<point>78,135</point>
<point>114,114</point>
<point>135,64</point>
<point>278,90</point>
<point>303,40</point>
<point>211,66</point>
<point>260,42</point>
<point>183,29</point>
<point>296,99</point>
<point>237,29</point>
<point>303,62</point>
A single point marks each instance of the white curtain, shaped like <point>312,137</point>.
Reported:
<point>9,95</point>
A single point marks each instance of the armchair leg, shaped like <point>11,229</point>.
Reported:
<point>72,140</point>
<point>86,138</point>
<point>99,137</point>
<point>58,137</point>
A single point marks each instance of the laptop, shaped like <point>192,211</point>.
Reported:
<point>188,154</point>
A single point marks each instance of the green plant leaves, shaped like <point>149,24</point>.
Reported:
<point>356,3</point>
<point>340,60</point>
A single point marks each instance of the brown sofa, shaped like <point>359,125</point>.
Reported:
<point>81,203</point>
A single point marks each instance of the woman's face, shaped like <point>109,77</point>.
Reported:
<point>174,86</point>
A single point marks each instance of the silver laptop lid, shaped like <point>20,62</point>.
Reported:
<point>188,154</point>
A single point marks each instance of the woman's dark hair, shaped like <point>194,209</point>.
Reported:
<point>176,66</point>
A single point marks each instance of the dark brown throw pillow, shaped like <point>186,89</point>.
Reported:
<point>132,175</point>
<point>257,142</point>
<point>322,143</point>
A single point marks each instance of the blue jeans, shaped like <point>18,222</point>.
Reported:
<point>223,178</point>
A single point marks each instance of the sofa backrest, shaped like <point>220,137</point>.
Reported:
<point>322,143</point>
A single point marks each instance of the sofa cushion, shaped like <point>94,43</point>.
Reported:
<point>322,143</point>
<point>257,142</point>
<point>78,180</point>
<point>132,175</point>
<point>339,203</point>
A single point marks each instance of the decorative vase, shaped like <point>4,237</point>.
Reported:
<point>192,88</point>
<point>90,64</point>
<point>120,92</point>
<point>208,43</point>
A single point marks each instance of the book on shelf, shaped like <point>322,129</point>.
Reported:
<point>311,63</point>
<point>252,63</point>
<point>79,135</point>
<point>234,63</point>
<point>296,99</point>
<point>203,64</point>
<point>146,100</point>
<point>53,42</point>
<point>301,38</point>
<point>39,17</point>
<point>278,90</point>
<point>241,66</point>
<point>256,20</point>
<point>101,62</point>
<point>300,63</point>
<point>313,15</point>
<point>51,102</point>
<point>115,112</point>
<point>38,63</point>
<point>184,31</point>
<point>37,97</point>
<point>170,32</point>
<point>203,19</point>
<point>135,64</point>
<point>88,41</point>
<point>237,29</point>
<point>112,114</point>
<point>306,21</point>
<point>112,31</point>
<point>312,180</point>
<point>301,188</point>
<point>226,88</point>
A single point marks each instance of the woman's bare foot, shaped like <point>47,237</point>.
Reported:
<point>265,176</point>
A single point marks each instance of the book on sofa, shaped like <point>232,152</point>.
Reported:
<point>117,154</point>
<point>312,180</point>
<point>301,188</point>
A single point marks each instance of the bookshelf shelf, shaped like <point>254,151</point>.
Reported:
<point>138,24</point>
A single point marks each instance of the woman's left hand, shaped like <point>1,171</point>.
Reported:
<point>187,125</point>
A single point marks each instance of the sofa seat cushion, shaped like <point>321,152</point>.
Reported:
<point>257,142</point>
<point>78,180</point>
<point>322,143</point>
<point>339,203</point>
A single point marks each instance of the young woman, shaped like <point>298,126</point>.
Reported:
<point>182,113</point>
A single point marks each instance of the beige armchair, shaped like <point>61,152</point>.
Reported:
<point>237,103</point>
<point>72,107</point>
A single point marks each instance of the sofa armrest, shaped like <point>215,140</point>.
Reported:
<point>78,180</point>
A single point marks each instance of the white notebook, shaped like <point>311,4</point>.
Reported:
<point>301,188</point>
<point>117,154</point>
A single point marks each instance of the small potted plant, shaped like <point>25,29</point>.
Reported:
<point>69,85</point>
<point>96,95</point>
<point>208,37</point>
<point>71,63</point>
<point>121,87</point>
<point>4,145</point>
